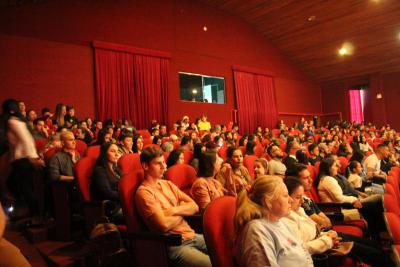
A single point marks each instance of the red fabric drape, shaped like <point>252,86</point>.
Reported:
<point>131,86</point>
<point>356,112</point>
<point>256,101</point>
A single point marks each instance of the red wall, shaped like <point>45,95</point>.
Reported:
<point>377,111</point>
<point>45,52</point>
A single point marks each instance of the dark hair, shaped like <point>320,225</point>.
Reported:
<point>134,145</point>
<point>156,138</point>
<point>269,149</point>
<point>197,150</point>
<point>230,150</point>
<point>125,134</point>
<point>311,147</point>
<point>324,169</point>
<point>352,165</point>
<point>185,140</point>
<point>174,157</point>
<point>35,122</point>
<point>298,168</point>
<point>150,153</point>
<point>101,136</point>
<point>301,157</point>
<point>10,108</point>
<point>45,110</point>
<point>102,161</point>
<point>292,184</point>
<point>206,164</point>
<point>250,147</point>
<point>342,151</point>
<point>381,146</point>
<point>241,141</point>
<point>206,138</point>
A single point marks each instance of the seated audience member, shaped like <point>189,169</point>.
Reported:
<point>389,162</point>
<point>353,174</point>
<point>317,241</point>
<point>157,140</point>
<point>275,166</point>
<point>344,150</point>
<point>167,146</point>
<point>198,150</point>
<point>103,137</point>
<point>53,141</point>
<point>163,206</point>
<point>163,131</point>
<point>329,190</point>
<point>372,164</point>
<point>262,238</point>
<point>364,146</point>
<point>233,175</point>
<point>70,119</point>
<point>250,147</point>
<point>187,143</point>
<point>59,116</point>
<point>125,143</point>
<point>98,126</point>
<point>105,179</point>
<point>302,157</point>
<point>314,154</point>
<point>206,188</point>
<point>10,255</point>
<point>61,165</point>
<point>31,116</point>
<point>260,167</point>
<point>87,133</point>
<point>137,143</point>
<point>185,122</point>
<point>40,130</point>
<point>22,108</point>
<point>175,157</point>
<point>180,131</point>
<point>203,124</point>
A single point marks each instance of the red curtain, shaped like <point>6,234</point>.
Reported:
<point>131,86</point>
<point>256,101</point>
<point>356,112</point>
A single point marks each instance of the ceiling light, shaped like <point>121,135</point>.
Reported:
<point>312,18</point>
<point>347,49</point>
<point>194,91</point>
<point>205,28</point>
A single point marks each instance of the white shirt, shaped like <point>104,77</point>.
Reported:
<point>372,162</point>
<point>355,180</point>
<point>22,144</point>
<point>266,243</point>
<point>329,190</point>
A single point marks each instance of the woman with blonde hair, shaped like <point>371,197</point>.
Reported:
<point>261,238</point>
<point>260,167</point>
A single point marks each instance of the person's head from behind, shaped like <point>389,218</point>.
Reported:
<point>68,140</point>
<point>175,157</point>
<point>235,157</point>
<point>260,167</point>
<point>208,164</point>
<point>109,155</point>
<point>153,162</point>
<point>10,107</point>
<point>266,198</point>
<point>292,147</point>
<point>301,157</point>
<point>198,150</point>
<point>250,147</point>
<point>296,191</point>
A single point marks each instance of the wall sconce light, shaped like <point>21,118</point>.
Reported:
<point>194,91</point>
<point>379,96</point>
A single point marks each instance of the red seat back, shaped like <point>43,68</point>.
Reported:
<point>182,175</point>
<point>188,155</point>
<point>128,185</point>
<point>81,146</point>
<point>129,163</point>
<point>248,162</point>
<point>83,170</point>
<point>258,151</point>
<point>219,231</point>
<point>316,168</point>
<point>40,143</point>
<point>222,152</point>
<point>311,170</point>
<point>393,226</point>
<point>243,149</point>
<point>50,153</point>
<point>390,204</point>
<point>144,133</point>
<point>93,151</point>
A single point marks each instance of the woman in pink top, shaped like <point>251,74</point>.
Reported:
<point>206,188</point>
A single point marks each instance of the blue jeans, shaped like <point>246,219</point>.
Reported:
<point>192,252</point>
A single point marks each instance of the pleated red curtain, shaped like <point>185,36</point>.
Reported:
<point>256,101</point>
<point>130,85</point>
<point>356,112</point>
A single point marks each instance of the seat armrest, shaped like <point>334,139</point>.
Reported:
<point>168,239</point>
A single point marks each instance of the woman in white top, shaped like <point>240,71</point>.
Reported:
<point>23,156</point>
<point>305,228</point>
<point>262,238</point>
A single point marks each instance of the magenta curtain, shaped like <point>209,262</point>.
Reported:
<point>256,101</point>
<point>356,112</point>
<point>131,86</point>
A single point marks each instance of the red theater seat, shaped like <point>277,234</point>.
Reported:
<point>129,163</point>
<point>182,175</point>
<point>248,162</point>
<point>93,151</point>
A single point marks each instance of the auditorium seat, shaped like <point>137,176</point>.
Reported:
<point>219,231</point>
<point>188,155</point>
<point>182,175</point>
<point>248,162</point>
<point>93,151</point>
<point>81,147</point>
<point>129,163</point>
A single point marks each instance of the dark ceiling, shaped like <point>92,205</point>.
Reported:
<point>310,33</point>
